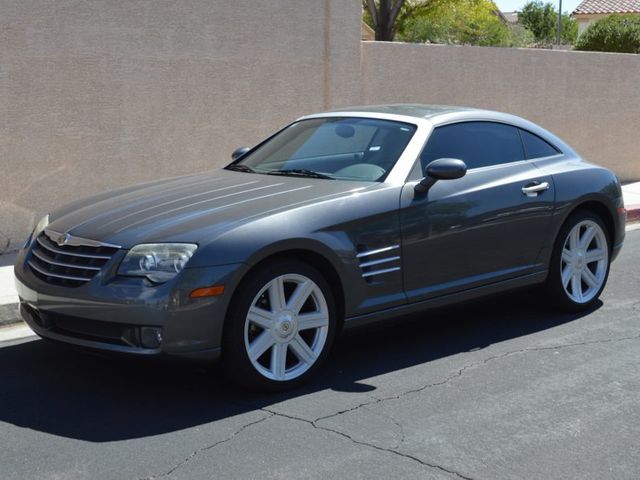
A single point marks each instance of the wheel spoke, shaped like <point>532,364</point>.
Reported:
<point>300,296</point>
<point>587,236</point>
<point>260,345</point>
<point>260,317</point>
<point>567,256</point>
<point>574,238</point>
<point>278,360</point>
<point>590,279</point>
<point>594,255</point>
<point>312,320</point>
<point>276,295</point>
<point>566,275</point>
<point>302,350</point>
<point>576,286</point>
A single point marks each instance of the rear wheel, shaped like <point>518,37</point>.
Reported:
<point>580,262</point>
<point>280,327</point>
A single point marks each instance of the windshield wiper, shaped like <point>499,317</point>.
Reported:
<point>241,168</point>
<point>301,172</point>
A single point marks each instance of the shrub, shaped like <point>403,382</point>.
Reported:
<point>615,33</point>
<point>521,37</point>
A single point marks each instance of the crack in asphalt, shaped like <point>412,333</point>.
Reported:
<point>314,424</point>
<point>195,453</point>
<point>400,441</point>
<point>469,366</point>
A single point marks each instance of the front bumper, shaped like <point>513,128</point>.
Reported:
<point>116,314</point>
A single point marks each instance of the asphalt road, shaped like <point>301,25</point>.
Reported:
<point>503,389</point>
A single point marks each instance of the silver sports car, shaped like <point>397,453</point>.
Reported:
<point>338,219</point>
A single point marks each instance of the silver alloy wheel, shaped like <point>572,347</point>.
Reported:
<point>286,327</point>
<point>583,266</point>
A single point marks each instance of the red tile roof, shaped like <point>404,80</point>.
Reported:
<point>608,6</point>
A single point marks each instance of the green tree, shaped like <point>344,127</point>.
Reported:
<point>540,19</point>
<point>466,22</point>
<point>382,16</point>
<point>569,30</point>
<point>615,33</point>
<point>388,17</point>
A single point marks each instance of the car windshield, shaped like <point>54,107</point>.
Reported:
<point>363,149</point>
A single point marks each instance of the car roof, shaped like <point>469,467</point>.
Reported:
<point>442,114</point>
<point>410,110</point>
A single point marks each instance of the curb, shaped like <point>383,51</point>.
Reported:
<point>633,213</point>
<point>9,314</point>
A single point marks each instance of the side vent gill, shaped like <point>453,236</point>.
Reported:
<point>379,261</point>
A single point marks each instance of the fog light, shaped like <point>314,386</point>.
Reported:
<point>150,337</point>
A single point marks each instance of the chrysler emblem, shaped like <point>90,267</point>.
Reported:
<point>63,239</point>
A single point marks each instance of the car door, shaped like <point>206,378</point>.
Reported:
<point>485,227</point>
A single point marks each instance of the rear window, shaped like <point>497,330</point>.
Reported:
<point>536,147</point>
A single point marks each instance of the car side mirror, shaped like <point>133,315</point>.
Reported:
<point>239,152</point>
<point>441,169</point>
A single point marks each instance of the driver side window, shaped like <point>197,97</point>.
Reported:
<point>478,144</point>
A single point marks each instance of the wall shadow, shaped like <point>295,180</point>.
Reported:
<point>8,259</point>
<point>61,391</point>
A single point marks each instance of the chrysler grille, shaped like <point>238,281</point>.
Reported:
<point>70,265</point>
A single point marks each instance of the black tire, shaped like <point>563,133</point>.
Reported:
<point>235,358</point>
<point>554,285</point>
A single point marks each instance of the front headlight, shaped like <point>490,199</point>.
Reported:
<point>159,262</point>
<point>41,225</point>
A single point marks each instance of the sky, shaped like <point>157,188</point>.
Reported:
<point>512,5</point>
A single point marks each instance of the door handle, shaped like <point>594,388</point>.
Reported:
<point>534,188</point>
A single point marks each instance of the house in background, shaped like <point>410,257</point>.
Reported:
<point>511,17</point>
<point>589,11</point>
<point>366,32</point>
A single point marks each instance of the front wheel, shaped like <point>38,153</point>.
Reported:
<point>280,327</point>
<point>580,262</point>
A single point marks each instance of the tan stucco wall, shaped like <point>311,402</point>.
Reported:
<point>96,95</point>
<point>591,100</point>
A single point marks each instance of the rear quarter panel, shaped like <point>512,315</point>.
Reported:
<point>578,183</point>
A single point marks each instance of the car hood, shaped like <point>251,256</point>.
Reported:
<point>192,208</point>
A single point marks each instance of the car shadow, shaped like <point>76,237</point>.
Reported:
<point>60,391</point>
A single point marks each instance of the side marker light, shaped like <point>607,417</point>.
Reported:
<point>214,291</point>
